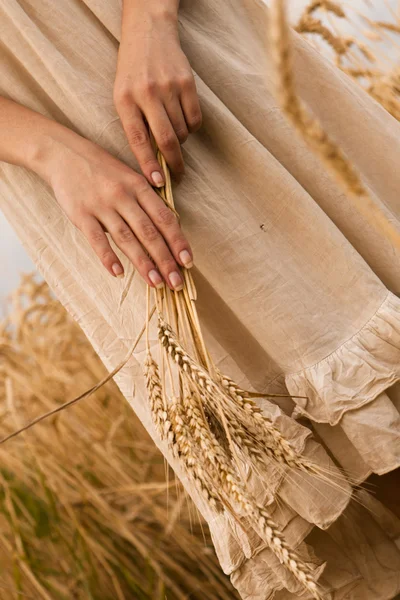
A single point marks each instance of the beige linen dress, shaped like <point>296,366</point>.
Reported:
<point>296,291</point>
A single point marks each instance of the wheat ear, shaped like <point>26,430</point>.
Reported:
<point>253,433</point>
<point>327,5</point>
<point>161,416</point>
<point>194,437</point>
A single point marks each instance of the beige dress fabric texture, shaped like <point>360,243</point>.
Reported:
<point>296,291</point>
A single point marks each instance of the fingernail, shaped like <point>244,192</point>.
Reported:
<point>157,178</point>
<point>156,279</point>
<point>186,259</point>
<point>176,281</point>
<point>117,270</point>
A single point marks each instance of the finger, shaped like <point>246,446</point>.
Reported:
<point>94,233</point>
<point>166,138</point>
<point>138,137</point>
<point>137,221</point>
<point>167,224</point>
<point>126,241</point>
<point>176,116</point>
<point>191,105</point>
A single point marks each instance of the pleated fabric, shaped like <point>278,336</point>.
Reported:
<point>297,292</point>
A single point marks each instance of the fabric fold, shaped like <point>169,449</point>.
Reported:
<point>356,373</point>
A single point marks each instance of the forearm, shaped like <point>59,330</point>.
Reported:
<point>29,139</point>
<point>145,13</point>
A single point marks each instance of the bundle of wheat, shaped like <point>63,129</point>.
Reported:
<point>211,425</point>
<point>85,509</point>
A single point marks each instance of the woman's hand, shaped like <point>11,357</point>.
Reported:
<point>155,84</point>
<point>99,193</point>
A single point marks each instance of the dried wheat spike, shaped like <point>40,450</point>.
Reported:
<point>308,24</point>
<point>170,342</point>
<point>153,385</point>
<point>181,443</point>
<point>365,51</point>
<point>232,490</point>
<point>310,128</point>
<point>385,93</point>
<point>271,534</point>
<point>328,5</point>
<point>271,440</point>
<point>356,72</point>
<point>168,425</point>
<point>394,27</point>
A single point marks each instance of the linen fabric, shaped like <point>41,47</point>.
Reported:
<point>297,292</point>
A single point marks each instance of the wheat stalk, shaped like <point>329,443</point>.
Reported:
<point>308,24</point>
<point>381,85</point>
<point>207,429</point>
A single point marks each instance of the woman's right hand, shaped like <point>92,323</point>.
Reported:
<point>99,193</point>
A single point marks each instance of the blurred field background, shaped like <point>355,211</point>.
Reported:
<point>88,508</point>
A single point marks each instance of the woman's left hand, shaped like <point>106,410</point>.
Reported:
<point>155,84</point>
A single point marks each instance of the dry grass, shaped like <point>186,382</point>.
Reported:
<point>85,510</point>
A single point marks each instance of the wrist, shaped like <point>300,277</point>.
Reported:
<point>46,151</point>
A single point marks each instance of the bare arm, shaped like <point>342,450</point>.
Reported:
<point>25,135</point>
<point>98,193</point>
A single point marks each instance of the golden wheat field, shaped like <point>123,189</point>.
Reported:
<point>87,507</point>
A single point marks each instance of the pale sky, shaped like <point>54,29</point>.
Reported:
<point>13,258</point>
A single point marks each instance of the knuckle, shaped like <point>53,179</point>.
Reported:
<point>124,234</point>
<point>96,236</point>
<point>195,121</point>
<point>134,179</point>
<point>107,257</point>
<point>167,140</point>
<point>182,134</point>
<point>186,80</point>
<point>113,188</point>
<point>143,263</point>
<point>167,264</point>
<point>149,163</point>
<point>178,241</point>
<point>142,186</point>
<point>166,216</point>
<point>138,179</point>
<point>147,86</point>
<point>148,231</point>
<point>122,97</point>
<point>166,85</point>
<point>136,137</point>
